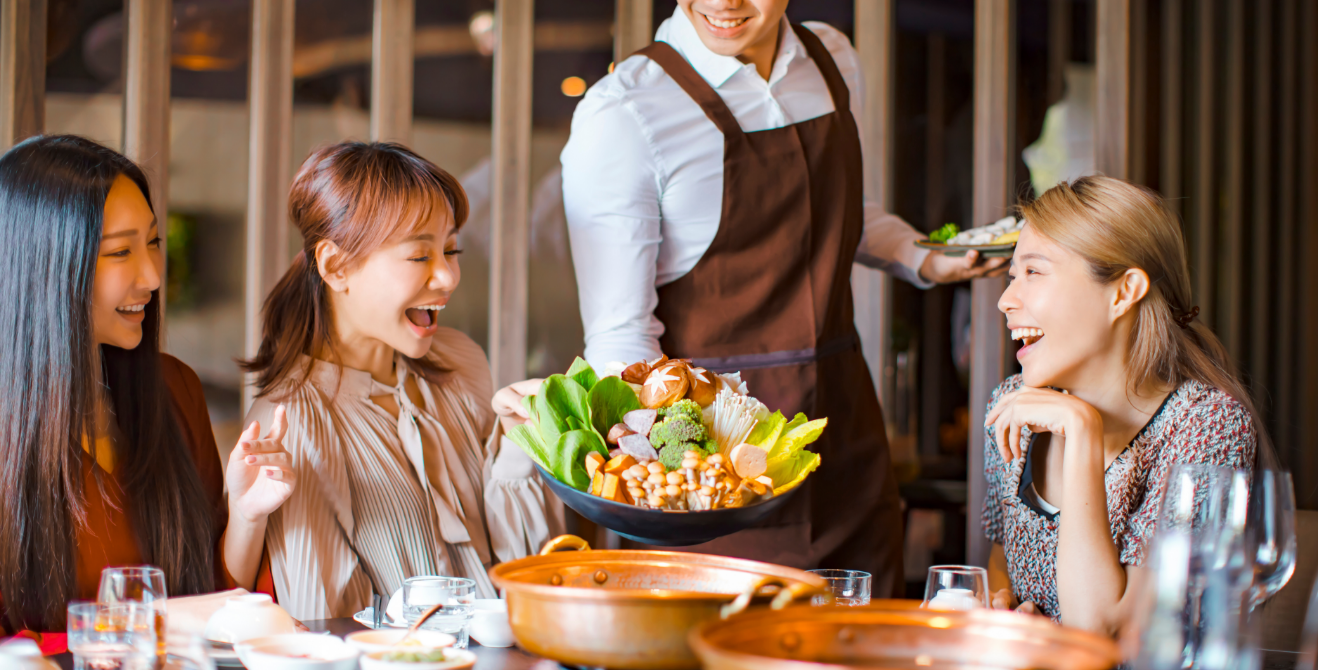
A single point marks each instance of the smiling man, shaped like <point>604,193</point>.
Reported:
<point>713,188</point>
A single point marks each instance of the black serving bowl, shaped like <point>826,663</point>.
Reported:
<point>664,529</point>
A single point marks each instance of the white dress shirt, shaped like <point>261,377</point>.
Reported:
<point>643,177</point>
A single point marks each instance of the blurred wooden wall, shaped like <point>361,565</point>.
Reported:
<point>1229,134</point>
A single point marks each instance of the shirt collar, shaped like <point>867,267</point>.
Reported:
<point>678,32</point>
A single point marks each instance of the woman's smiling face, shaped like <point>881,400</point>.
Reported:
<point>128,267</point>
<point>395,294</point>
<point>1064,317</point>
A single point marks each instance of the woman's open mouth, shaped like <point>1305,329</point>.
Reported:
<point>1028,336</point>
<point>424,319</point>
<point>134,313</point>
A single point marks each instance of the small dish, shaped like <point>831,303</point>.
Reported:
<point>298,651</point>
<point>248,616</point>
<point>454,659</point>
<point>366,618</point>
<point>370,641</point>
<point>489,623</point>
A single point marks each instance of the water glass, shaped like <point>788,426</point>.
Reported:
<point>142,585</point>
<point>956,587</point>
<point>846,587</point>
<point>112,637</point>
<point>456,594</point>
<point>1272,525</point>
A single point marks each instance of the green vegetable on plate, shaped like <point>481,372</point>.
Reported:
<point>945,233</point>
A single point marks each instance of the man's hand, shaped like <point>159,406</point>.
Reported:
<point>507,403</point>
<point>943,269</point>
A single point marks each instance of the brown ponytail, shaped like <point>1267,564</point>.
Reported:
<point>1115,226</point>
<point>358,196</point>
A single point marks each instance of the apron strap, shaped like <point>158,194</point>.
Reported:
<point>837,86</point>
<point>695,86</point>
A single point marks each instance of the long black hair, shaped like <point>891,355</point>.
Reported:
<point>52,202</point>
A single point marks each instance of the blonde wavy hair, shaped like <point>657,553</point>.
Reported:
<point>1116,226</point>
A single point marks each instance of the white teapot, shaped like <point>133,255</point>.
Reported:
<point>248,616</point>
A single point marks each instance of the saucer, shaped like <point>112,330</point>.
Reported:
<point>366,618</point>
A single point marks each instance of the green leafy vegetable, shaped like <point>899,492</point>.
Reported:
<point>947,232</point>
<point>610,399</point>
<point>789,461</point>
<point>569,417</point>
<point>766,432</point>
<point>572,449</point>
<point>583,373</point>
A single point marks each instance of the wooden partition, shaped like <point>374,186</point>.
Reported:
<point>149,24</point>
<point>510,217</point>
<point>22,70</point>
<point>994,184</point>
<point>270,149</point>
<point>392,36</point>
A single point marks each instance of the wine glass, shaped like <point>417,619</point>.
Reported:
<point>845,587</point>
<point>1272,524</point>
<point>140,584</point>
<point>956,587</point>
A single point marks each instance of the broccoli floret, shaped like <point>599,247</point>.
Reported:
<point>671,456</point>
<point>947,232</point>
<point>684,407</point>
<point>679,430</point>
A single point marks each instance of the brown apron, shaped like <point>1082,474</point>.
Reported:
<point>772,298</point>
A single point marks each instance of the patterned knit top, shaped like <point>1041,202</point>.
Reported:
<point>1196,424</point>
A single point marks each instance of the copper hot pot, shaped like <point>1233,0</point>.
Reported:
<point>632,610</point>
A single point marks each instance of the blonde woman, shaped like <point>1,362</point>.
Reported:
<point>1119,382</point>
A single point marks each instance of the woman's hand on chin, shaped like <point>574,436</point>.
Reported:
<point>1043,411</point>
<point>260,475</point>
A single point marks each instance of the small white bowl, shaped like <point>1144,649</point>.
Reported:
<point>459,659</point>
<point>299,651</point>
<point>369,641</point>
<point>248,616</point>
<point>489,625</point>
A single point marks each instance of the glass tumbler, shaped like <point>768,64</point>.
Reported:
<point>457,595</point>
<point>112,637</point>
<point>138,584</point>
<point>956,587</point>
<point>846,587</point>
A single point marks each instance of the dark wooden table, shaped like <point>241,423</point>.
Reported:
<point>512,658</point>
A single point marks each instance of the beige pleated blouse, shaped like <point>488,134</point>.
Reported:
<point>436,491</point>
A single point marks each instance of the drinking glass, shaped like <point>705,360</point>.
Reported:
<point>1272,524</point>
<point>456,594</point>
<point>141,584</point>
<point>956,587</point>
<point>112,637</point>
<point>1194,612</point>
<point>846,587</point>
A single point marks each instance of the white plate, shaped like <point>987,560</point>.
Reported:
<point>366,618</point>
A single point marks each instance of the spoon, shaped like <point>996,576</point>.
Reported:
<point>419,620</point>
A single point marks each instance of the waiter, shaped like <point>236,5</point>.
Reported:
<point>714,199</point>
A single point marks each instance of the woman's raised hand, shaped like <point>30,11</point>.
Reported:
<point>1042,411</point>
<point>507,402</point>
<point>260,474</point>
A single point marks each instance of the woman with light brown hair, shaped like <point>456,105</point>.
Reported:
<point>388,413</point>
<point>1120,381</point>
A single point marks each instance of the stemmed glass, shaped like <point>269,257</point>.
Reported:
<point>1272,524</point>
<point>142,585</point>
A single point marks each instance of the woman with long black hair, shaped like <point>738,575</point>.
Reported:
<point>108,456</point>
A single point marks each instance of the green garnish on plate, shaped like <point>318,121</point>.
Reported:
<point>947,232</point>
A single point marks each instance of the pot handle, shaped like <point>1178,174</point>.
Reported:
<point>565,542</point>
<point>786,594</point>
